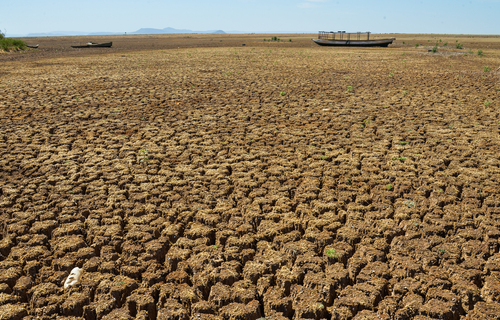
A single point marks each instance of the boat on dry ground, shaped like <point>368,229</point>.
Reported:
<point>94,45</point>
<point>350,39</point>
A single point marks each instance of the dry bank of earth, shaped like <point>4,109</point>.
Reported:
<point>202,179</point>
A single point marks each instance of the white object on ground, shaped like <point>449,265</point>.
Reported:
<point>73,278</point>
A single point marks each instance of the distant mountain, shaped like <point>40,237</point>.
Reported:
<point>140,31</point>
<point>172,31</point>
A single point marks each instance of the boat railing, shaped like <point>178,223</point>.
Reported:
<point>342,35</point>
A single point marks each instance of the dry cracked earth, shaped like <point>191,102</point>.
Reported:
<point>271,181</point>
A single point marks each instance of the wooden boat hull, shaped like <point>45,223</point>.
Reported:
<point>354,43</point>
<point>95,45</point>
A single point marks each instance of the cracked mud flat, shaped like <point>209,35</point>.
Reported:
<point>283,182</point>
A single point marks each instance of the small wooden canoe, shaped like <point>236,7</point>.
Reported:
<point>94,45</point>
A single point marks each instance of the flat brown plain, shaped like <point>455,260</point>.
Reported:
<point>192,177</point>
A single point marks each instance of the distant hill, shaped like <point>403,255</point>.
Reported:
<point>140,31</point>
<point>172,31</point>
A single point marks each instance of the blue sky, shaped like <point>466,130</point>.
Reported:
<point>22,17</point>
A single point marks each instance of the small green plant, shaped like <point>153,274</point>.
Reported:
<point>405,92</point>
<point>416,45</point>
<point>332,253</point>
<point>390,187</point>
<point>403,143</point>
<point>399,158</point>
<point>323,157</point>
<point>435,48</point>
<point>480,53</point>
<point>144,154</point>
<point>445,44</point>
<point>282,93</point>
<point>487,103</point>
<point>486,69</point>
<point>442,251</point>
<point>349,88</point>
<point>391,74</point>
<point>215,246</point>
<point>459,46</point>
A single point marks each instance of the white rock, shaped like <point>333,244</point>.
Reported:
<point>73,278</point>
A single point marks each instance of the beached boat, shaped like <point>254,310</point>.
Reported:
<point>94,45</point>
<point>350,39</point>
<point>32,46</point>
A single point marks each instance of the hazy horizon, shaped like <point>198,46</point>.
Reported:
<point>252,16</point>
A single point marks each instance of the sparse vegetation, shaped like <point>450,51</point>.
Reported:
<point>399,158</point>
<point>332,253</point>
<point>9,44</point>
<point>144,155</point>
<point>459,46</point>
<point>486,69</point>
<point>276,39</point>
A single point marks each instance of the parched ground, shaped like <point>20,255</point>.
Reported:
<point>271,180</point>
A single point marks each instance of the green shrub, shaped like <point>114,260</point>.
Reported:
<point>435,48</point>
<point>480,53</point>
<point>459,46</point>
<point>11,44</point>
<point>486,69</point>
